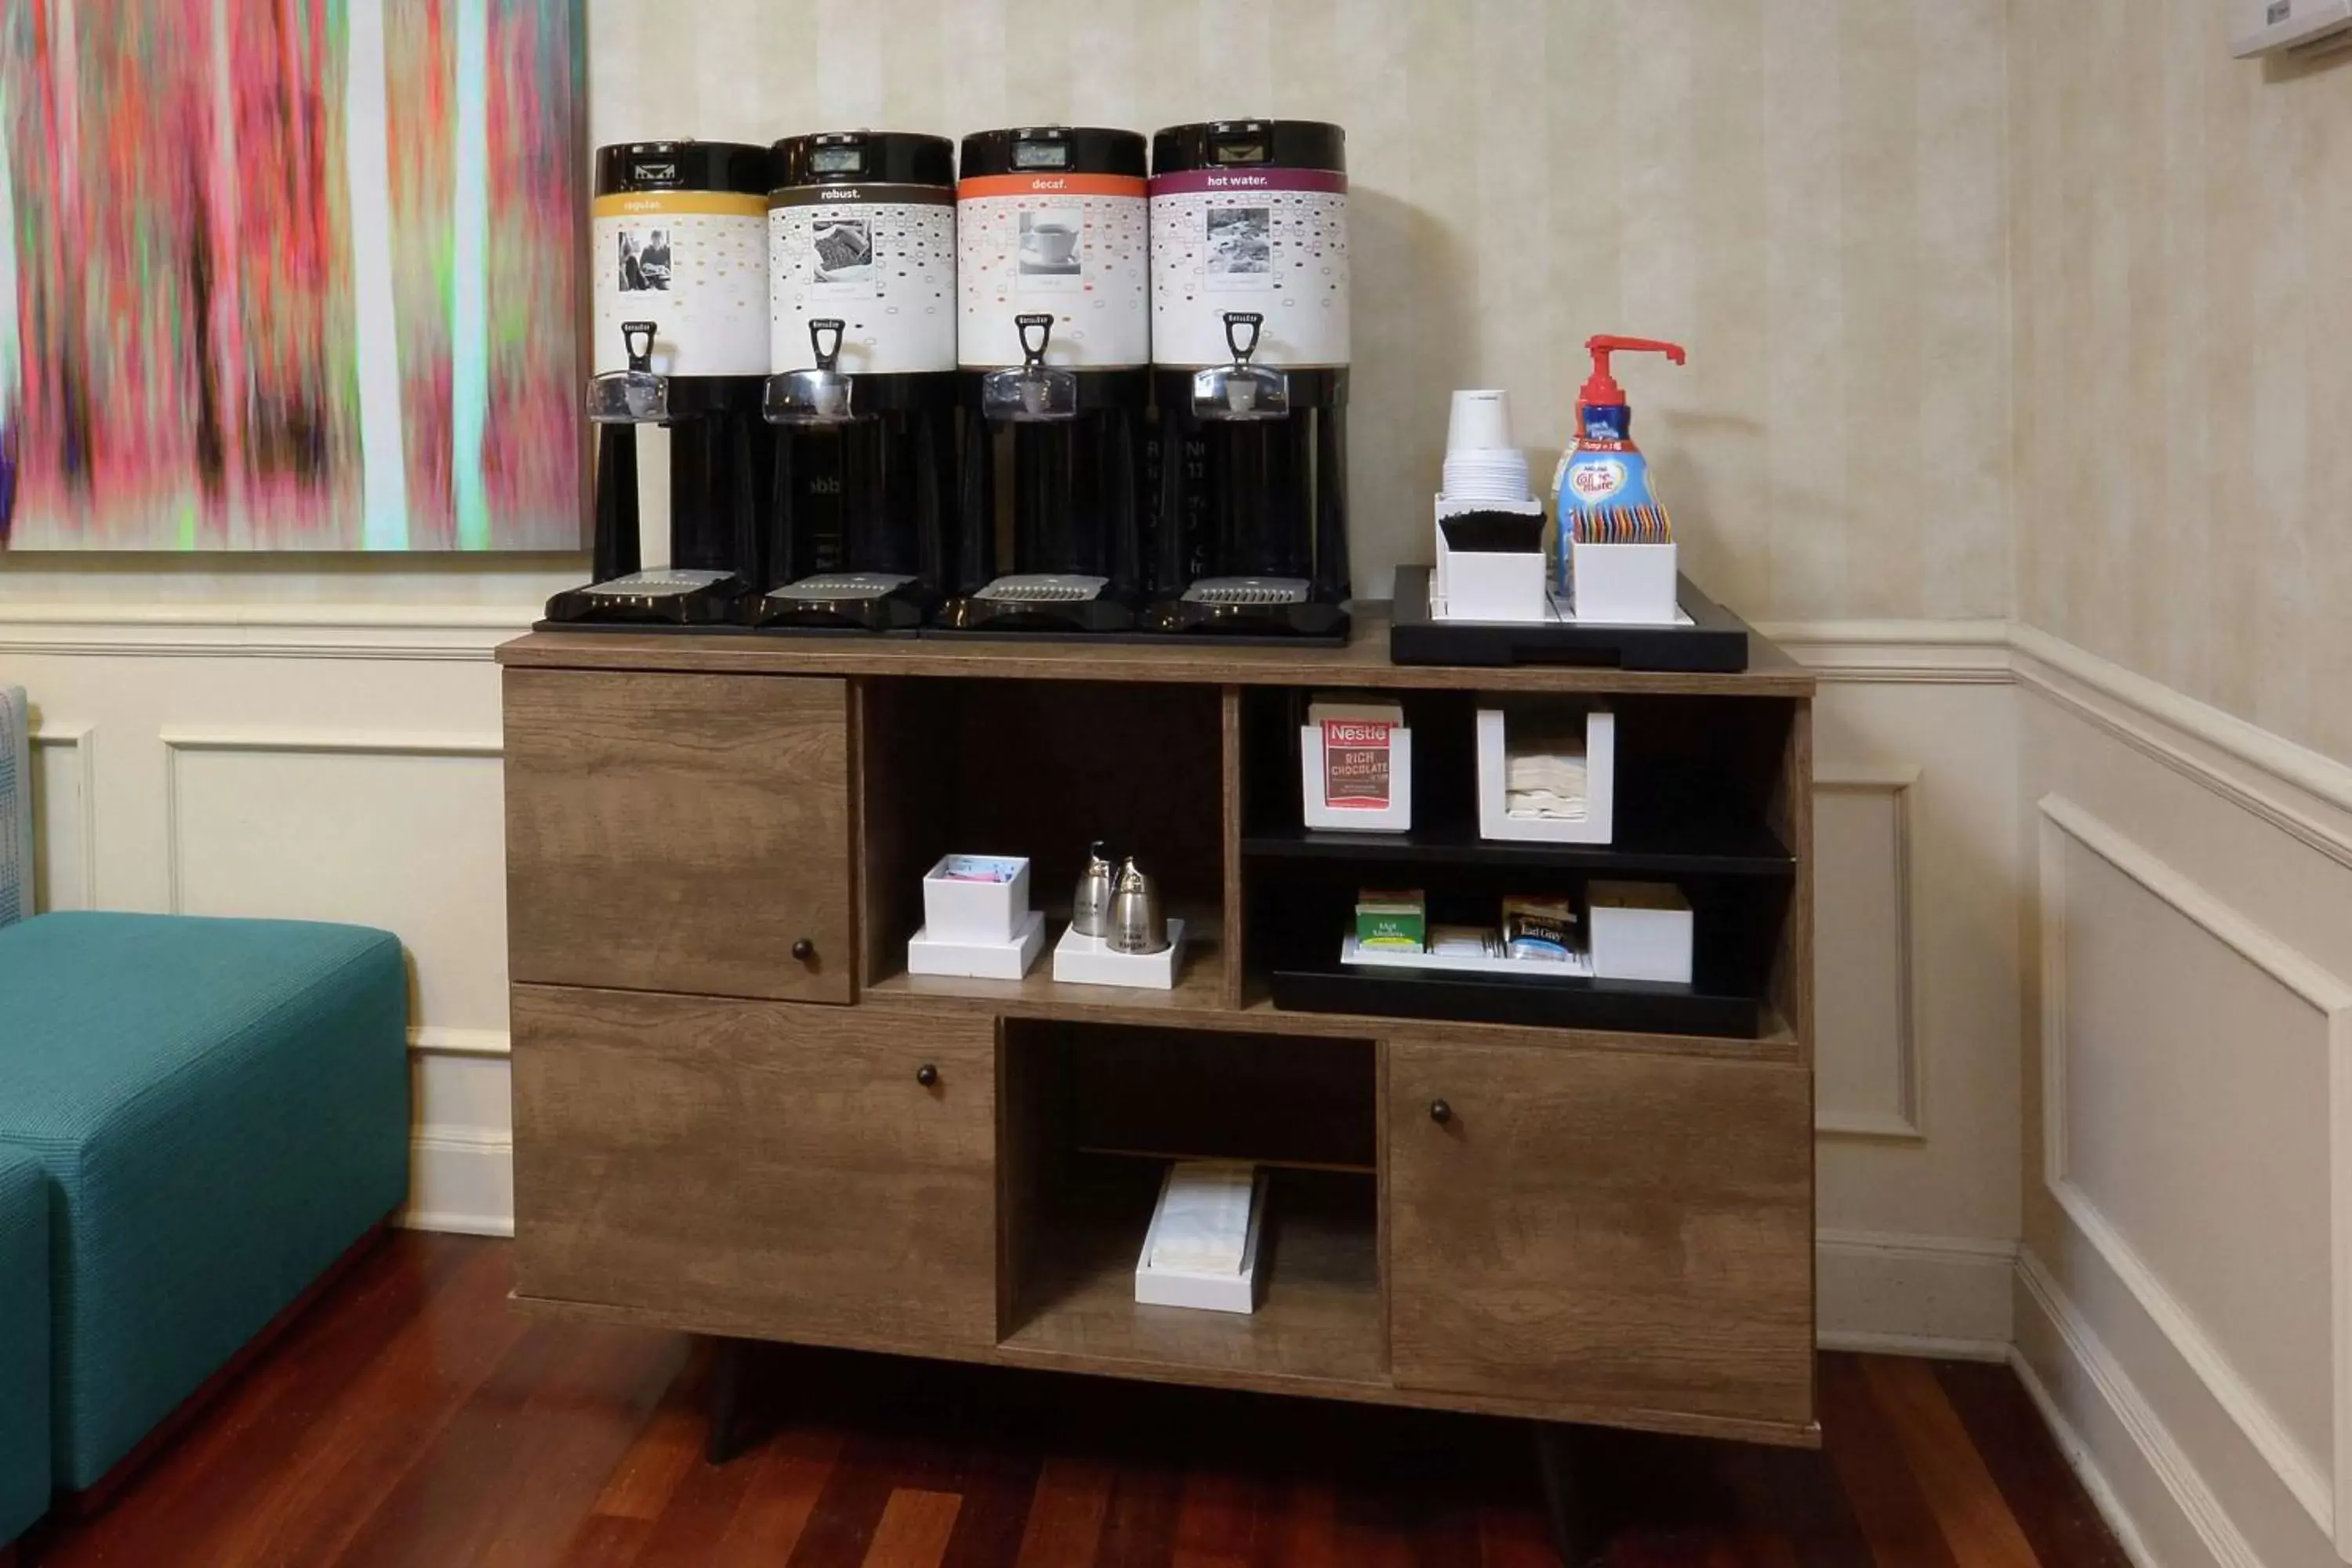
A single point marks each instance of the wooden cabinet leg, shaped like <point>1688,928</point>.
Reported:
<point>728,1363</point>
<point>1573,1532</point>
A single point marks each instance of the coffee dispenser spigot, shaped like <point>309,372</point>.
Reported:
<point>635,395</point>
<point>1033,391</point>
<point>1241,389</point>
<point>825,395</point>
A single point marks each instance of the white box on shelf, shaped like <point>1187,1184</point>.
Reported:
<point>1641,931</point>
<point>976,898</point>
<point>1356,766</point>
<point>1009,960</point>
<point>1494,820</point>
<point>1090,961</point>
<point>1490,584</point>
<point>1201,1250</point>
<point>1624,585</point>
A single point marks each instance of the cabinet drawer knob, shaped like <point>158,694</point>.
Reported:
<point>927,1075</point>
<point>1440,1112</point>
<point>803,949</point>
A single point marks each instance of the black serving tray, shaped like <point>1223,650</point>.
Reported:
<point>1570,1002</point>
<point>1716,642</point>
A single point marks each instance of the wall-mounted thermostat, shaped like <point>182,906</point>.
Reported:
<point>2272,26</point>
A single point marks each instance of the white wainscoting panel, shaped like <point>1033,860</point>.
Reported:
<point>1866,1057</point>
<point>2192,1066</point>
<point>401,831</point>
<point>65,837</point>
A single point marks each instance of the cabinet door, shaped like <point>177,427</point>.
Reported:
<point>678,833</point>
<point>757,1168</point>
<point>1601,1231</point>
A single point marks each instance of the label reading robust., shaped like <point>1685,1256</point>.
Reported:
<point>881,259</point>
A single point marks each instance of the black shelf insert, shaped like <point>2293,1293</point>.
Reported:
<point>1693,849</point>
<point>1568,1002</point>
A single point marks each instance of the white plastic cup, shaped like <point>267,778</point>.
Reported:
<point>1481,420</point>
<point>1498,475</point>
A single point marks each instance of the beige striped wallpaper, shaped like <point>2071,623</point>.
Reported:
<point>1808,193</point>
<point>2183,288</point>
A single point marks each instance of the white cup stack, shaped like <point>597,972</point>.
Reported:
<point>1481,464</point>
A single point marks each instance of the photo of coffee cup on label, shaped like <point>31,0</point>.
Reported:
<point>1049,242</point>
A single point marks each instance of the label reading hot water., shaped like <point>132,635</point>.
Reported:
<point>1270,241</point>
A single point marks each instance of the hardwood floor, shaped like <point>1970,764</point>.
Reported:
<point>412,1417</point>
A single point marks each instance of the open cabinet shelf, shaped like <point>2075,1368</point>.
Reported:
<point>1091,1116</point>
<point>1702,791</point>
<point>1321,1315</point>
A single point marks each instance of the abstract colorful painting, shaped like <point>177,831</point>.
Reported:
<point>290,274</point>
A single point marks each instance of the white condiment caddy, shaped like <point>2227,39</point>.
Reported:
<point>1495,819</point>
<point>1202,1249</point>
<point>977,921</point>
<point>1640,931</point>
<point>1356,766</point>
<point>1624,585</point>
<point>1083,959</point>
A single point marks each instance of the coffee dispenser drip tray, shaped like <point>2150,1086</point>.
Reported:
<point>667,596</point>
<point>1247,591</point>
<point>1040,602</point>
<point>1279,607</point>
<point>842,601</point>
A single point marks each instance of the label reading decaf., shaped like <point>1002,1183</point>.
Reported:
<point>1355,764</point>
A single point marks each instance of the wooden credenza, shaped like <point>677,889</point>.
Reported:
<point>737,1114</point>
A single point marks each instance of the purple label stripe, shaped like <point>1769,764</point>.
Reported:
<point>1241,181</point>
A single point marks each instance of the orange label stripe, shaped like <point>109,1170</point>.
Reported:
<point>1050,184</point>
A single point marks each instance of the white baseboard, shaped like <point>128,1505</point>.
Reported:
<point>2078,1457</point>
<point>1946,1297</point>
<point>2092,1390</point>
<point>461,1180</point>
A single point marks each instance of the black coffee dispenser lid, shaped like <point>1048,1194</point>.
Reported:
<point>865,157</point>
<point>1053,150</point>
<point>1250,145</point>
<point>684,165</point>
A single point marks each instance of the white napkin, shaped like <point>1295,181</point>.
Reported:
<point>1204,1214</point>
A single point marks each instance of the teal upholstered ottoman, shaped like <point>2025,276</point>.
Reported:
<point>221,1108</point>
<point>24,1344</point>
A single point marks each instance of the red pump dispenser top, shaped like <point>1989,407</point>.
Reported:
<point>1601,388</point>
